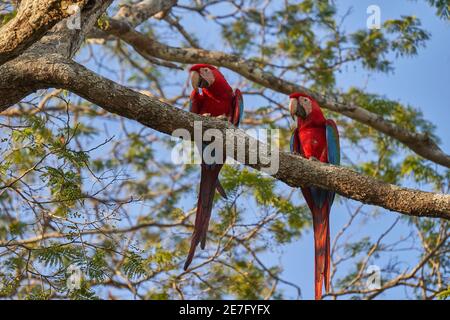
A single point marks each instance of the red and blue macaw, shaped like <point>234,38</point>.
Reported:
<point>216,99</point>
<point>316,138</point>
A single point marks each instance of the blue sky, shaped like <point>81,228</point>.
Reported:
<point>422,81</point>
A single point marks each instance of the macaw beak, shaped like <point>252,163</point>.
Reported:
<point>197,81</point>
<point>296,109</point>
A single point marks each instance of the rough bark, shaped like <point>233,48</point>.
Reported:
<point>57,71</point>
<point>420,143</point>
<point>142,11</point>
<point>34,18</point>
<point>62,41</point>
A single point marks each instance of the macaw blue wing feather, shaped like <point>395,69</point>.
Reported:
<point>333,146</point>
<point>237,108</point>
<point>333,149</point>
<point>295,144</point>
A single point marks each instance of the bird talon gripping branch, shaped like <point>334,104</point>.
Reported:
<point>223,118</point>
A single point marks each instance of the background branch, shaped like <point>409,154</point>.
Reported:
<point>33,20</point>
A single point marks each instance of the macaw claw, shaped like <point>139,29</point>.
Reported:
<point>222,117</point>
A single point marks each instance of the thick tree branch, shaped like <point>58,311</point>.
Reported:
<point>62,41</point>
<point>56,71</point>
<point>134,15</point>
<point>67,41</point>
<point>420,143</point>
<point>34,18</point>
<point>137,13</point>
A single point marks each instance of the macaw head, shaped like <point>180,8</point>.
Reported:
<point>203,75</point>
<point>300,105</point>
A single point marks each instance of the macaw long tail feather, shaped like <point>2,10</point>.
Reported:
<point>328,258</point>
<point>322,249</point>
<point>208,185</point>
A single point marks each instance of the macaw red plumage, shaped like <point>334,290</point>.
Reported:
<point>216,99</point>
<point>316,138</point>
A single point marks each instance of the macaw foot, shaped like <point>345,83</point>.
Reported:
<point>314,159</point>
<point>206,114</point>
<point>222,117</point>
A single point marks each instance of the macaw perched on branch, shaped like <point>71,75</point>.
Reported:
<point>316,138</point>
<point>216,99</point>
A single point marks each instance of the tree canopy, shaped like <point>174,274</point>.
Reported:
<point>87,180</point>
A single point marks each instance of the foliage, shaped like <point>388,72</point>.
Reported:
<point>82,188</point>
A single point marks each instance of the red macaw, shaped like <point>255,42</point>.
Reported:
<point>216,99</point>
<point>316,138</point>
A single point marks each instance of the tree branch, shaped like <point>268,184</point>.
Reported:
<point>62,41</point>
<point>57,71</point>
<point>420,143</point>
<point>137,13</point>
<point>34,18</point>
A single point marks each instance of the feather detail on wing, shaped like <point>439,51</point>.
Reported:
<point>237,109</point>
<point>295,143</point>
<point>333,149</point>
<point>333,146</point>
